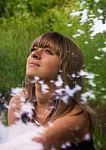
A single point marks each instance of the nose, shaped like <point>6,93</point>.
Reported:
<point>37,53</point>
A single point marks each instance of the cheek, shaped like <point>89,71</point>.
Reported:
<point>27,60</point>
<point>52,66</point>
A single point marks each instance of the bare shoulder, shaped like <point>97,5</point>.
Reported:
<point>74,123</point>
<point>77,119</point>
<point>72,127</point>
<point>15,105</point>
<point>16,100</point>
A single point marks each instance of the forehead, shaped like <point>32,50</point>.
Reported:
<point>46,41</point>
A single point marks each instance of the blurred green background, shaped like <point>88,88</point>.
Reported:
<point>21,21</point>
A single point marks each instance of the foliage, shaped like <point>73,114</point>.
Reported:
<point>95,7</point>
<point>21,21</point>
<point>21,28</point>
<point>16,37</point>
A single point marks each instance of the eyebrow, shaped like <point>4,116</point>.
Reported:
<point>55,51</point>
<point>46,46</point>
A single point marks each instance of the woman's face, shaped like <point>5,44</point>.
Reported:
<point>43,63</point>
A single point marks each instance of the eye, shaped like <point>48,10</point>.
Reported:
<point>33,49</point>
<point>48,51</point>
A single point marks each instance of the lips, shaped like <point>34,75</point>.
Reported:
<point>33,64</point>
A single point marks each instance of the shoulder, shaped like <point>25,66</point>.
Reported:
<point>75,124</point>
<point>78,118</point>
<point>15,106</point>
<point>72,127</point>
<point>17,99</point>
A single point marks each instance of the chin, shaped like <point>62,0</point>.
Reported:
<point>30,74</point>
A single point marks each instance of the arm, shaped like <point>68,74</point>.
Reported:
<point>13,110</point>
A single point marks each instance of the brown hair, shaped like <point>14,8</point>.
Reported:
<point>70,54</point>
<point>70,66</point>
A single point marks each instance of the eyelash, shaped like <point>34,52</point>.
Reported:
<point>46,50</point>
<point>33,49</point>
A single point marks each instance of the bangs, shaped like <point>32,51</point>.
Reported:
<point>48,40</point>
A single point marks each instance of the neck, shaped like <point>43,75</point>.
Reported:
<point>44,92</point>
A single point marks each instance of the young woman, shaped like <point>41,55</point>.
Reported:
<point>53,86</point>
